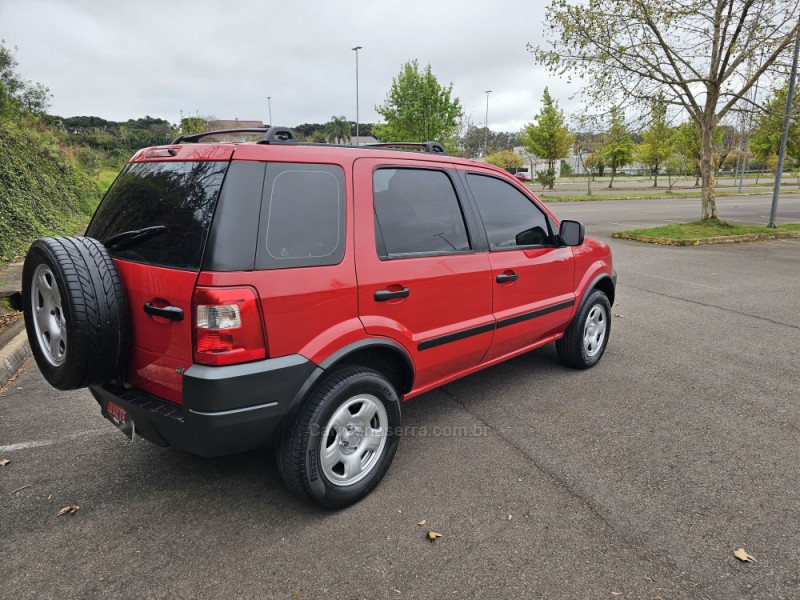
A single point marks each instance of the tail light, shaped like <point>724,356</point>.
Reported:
<point>228,327</point>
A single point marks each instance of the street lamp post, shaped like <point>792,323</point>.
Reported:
<point>776,191</point>
<point>356,49</point>
<point>486,124</point>
<point>269,104</point>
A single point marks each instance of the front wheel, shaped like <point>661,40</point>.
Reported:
<point>586,337</point>
<point>344,439</point>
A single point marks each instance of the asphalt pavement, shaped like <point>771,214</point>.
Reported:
<point>635,479</point>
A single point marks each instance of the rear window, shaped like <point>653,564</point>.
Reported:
<point>159,213</point>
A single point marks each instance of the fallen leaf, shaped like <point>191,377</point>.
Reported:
<point>432,535</point>
<point>396,590</point>
<point>296,594</point>
<point>743,556</point>
<point>509,517</point>
<point>68,510</point>
<point>4,462</point>
<point>619,316</point>
<point>423,522</point>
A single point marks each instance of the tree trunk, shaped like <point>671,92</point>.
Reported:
<point>655,178</point>
<point>613,173</point>
<point>707,162</point>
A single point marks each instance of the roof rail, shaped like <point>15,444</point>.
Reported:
<point>198,136</point>
<point>434,147</point>
<point>273,135</point>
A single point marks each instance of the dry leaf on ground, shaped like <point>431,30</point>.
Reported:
<point>432,535</point>
<point>423,522</point>
<point>743,556</point>
<point>68,510</point>
<point>4,462</point>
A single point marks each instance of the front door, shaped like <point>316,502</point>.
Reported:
<point>532,277</point>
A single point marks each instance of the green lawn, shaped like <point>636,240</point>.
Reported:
<point>708,229</point>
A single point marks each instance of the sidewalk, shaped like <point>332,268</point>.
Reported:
<point>14,348</point>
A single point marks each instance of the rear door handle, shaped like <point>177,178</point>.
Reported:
<point>505,277</point>
<point>173,313</point>
<point>383,295</point>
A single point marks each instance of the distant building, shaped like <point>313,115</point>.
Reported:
<point>362,139</point>
<point>234,124</point>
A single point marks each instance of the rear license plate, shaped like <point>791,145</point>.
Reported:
<point>119,417</point>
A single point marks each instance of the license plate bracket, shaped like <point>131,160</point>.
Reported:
<point>120,417</point>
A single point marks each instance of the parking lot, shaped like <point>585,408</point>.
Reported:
<point>635,479</point>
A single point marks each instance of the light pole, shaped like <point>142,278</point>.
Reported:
<point>269,104</point>
<point>486,124</point>
<point>773,213</point>
<point>356,49</point>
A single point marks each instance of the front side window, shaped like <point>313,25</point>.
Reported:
<point>302,216</point>
<point>511,219</point>
<point>417,211</point>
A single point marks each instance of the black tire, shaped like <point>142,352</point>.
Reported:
<point>300,455</point>
<point>572,349</point>
<point>87,299</point>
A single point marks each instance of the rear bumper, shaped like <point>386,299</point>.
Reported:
<point>225,409</point>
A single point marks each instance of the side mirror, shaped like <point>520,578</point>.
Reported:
<point>571,233</point>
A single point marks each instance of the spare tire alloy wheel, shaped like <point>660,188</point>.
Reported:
<point>48,316</point>
<point>76,311</point>
<point>344,438</point>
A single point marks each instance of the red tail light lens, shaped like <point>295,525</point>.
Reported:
<point>228,327</point>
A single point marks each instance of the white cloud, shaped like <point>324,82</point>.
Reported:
<point>126,60</point>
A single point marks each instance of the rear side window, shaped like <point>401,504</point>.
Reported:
<point>417,211</point>
<point>511,219</point>
<point>302,220</point>
<point>159,213</point>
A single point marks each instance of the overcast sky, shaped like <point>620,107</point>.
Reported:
<point>121,60</point>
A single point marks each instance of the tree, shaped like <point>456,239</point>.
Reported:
<point>547,137</point>
<point>418,109</point>
<point>618,147</point>
<point>473,142</point>
<point>338,130</point>
<point>585,147</point>
<point>702,56</point>
<point>505,159</point>
<point>656,146</point>
<point>192,125</point>
<point>766,137</point>
<point>25,96</point>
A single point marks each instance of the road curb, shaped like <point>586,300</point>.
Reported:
<point>728,239</point>
<point>12,355</point>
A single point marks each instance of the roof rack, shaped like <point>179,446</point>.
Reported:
<point>434,147</point>
<point>284,135</point>
<point>273,135</point>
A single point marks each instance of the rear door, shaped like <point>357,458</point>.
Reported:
<point>532,278</point>
<point>422,278</point>
<point>155,221</point>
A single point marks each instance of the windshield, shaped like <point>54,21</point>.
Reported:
<point>160,212</point>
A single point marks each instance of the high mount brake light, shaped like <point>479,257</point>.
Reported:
<point>228,327</point>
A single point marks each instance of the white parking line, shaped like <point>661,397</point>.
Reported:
<point>68,438</point>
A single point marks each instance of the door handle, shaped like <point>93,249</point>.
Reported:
<point>505,277</point>
<point>173,313</point>
<point>383,295</point>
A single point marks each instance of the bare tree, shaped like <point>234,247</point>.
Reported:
<point>702,55</point>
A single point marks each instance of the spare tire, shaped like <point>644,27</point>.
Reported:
<point>76,311</point>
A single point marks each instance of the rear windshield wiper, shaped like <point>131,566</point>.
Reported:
<point>127,239</point>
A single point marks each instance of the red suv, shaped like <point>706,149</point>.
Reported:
<point>230,296</point>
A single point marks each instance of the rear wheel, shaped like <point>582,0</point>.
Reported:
<point>585,339</point>
<point>76,311</point>
<point>344,439</point>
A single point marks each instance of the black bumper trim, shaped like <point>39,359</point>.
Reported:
<point>225,410</point>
